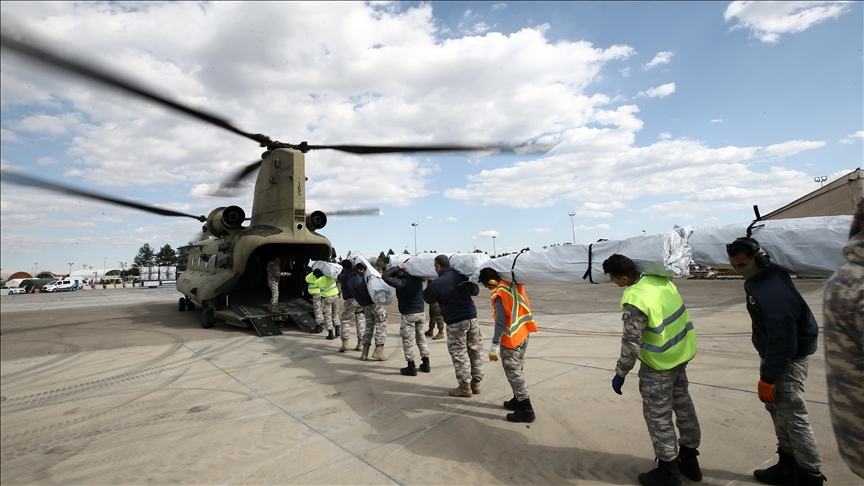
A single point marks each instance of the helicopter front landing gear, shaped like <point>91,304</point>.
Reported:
<point>208,317</point>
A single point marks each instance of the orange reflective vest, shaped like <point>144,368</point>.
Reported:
<point>519,320</point>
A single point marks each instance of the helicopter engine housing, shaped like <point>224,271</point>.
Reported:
<point>222,220</point>
<point>316,220</point>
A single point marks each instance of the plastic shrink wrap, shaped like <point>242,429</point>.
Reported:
<point>423,265</point>
<point>380,292</point>
<point>332,270</point>
<point>666,254</point>
<point>808,247</point>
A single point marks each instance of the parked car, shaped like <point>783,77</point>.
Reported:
<point>59,286</point>
<point>13,290</point>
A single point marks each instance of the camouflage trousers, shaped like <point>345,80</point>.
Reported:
<point>318,308</point>
<point>789,414</point>
<point>352,314</point>
<point>512,360</point>
<point>436,320</point>
<point>376,324</point>
<point>465,344</point>
<point>664,392</point>
<point>413,328</point>
<point>330,311</point>
<point>274,291</point>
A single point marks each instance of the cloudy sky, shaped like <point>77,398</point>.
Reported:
<point>664,113</point>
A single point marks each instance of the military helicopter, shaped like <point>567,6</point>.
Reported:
<point>225,274</point>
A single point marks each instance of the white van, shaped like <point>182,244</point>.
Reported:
<point>59,286</point>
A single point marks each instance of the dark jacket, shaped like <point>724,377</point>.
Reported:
<point>409,290</point>
<point>343,282</point>
<point>783,325</point>
<point>453,292</point>
<point>357,284</point>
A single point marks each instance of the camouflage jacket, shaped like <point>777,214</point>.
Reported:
<point>635,322</point>
<point>844,347</point>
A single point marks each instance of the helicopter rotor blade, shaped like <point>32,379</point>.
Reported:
<point>229,185</point>
<point>27,181</point>
<point>80,67</point>
<point>355,212</point>
<point>390,149</point>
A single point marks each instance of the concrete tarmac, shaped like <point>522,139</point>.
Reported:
<point>118,387</point>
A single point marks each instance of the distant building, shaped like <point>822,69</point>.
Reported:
<point>836,198</point>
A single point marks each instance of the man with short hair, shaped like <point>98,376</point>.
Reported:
<point>274,273</point>
<point>659,333</point>
<point>376,316</point>
<point>454,292</point>
<point>784,333</point>
<point>352,314</point>
<point>511,312</point>
<point>409,293</point>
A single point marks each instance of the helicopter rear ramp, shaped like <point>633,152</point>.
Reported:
<point>255,313</point>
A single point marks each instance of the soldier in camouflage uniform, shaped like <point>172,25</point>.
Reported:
<point>784,334</point>
<point>352,313</point>
<point>453,291</point>
<point>376,316</point>
<point>659,333</point>
<point>436,320</point>
<point>513,322</point>
<point>844,347</point>
<point>409,293</point>
<point>274,273</point>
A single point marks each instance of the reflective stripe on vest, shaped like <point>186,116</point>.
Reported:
<point>669,339</point>
<point>327,286</point>
<point>515,303</point>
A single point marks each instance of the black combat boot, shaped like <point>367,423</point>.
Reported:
<point>336,330</point>
<point>424,365</point>
<point>330,335</point>
<point>688,465</point>
<point>512,404</point>
<point>803,477</point>
<point>666,474</point>
<point>318,329</point>
<point>524,412</point>
<point>780,474</point>
<point>410,370</point>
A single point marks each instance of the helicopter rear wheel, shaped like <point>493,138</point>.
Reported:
<point>208,317</point>
<point>181,305</point>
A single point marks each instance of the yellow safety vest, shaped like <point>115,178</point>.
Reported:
<point>327,286</point>
<point>313,289</point>
<point>669,338</point>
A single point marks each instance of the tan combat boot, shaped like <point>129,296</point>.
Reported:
<point>344,346</point>
<point>430,332</point>
<point>463,390</point>
<point>359,346</point>
<point>365,354</point>
<point>440,335</point>
<point>379,353</point>
<point>475,386</point>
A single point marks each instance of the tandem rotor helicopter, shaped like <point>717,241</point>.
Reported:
<point>225,275</point>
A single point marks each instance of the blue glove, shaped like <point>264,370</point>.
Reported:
<point>617,382</point>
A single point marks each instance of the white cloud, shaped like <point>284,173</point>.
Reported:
<point>661,58</point>
<point>46,161</point>
<point>853,137</point>
<point>452,219</point>
<point>665,135</point>
<point>540,230</point>
<point>478,28</point>
<point>768,20</point>
<point>499,5</point>
<point>582,227</point>
<point>625,72</point>
<point>787,149</point>
<point>489,233</point>
<point>658,92</point>
<point>49,124</point>
<point>717,120</point>
<point>430,217</point>
<point>598,210</point>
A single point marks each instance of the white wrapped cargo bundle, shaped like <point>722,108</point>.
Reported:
<point>665,254</point>
<point>809,247</point>
<point>423,265</point>
<point>380,292</point>
<point>332,270</point>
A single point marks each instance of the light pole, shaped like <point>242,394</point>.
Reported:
<point>821,180</point>
<point>573,225</point>
<point>494,250</point>
<point>104,260</point>
<point>415,225</point>
<point>644,233</point>
<point>70,269</point>
<point>35,269</point>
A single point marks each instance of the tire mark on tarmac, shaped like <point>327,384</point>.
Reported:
<point>69,352</point>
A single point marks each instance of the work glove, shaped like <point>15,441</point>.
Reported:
<point>493,352</point>
<point>766,392</point>
<point>617,381</point>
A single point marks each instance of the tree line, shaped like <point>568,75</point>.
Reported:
<point>166,257</point>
